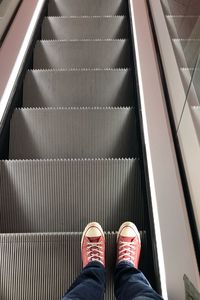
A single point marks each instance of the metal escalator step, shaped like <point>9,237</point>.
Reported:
<point>66,28</point>
<point>73,133</point>
<point>43,266</point>
<point>52,88</point>
<point>82,54</point>
<point>187,52</point>
<point>184,27</point>
<point>184,8</point>
<point>87,7</point>
<point>63,195</point>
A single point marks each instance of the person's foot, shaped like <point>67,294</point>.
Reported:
<point>128,244</point>
<point>93,244</point>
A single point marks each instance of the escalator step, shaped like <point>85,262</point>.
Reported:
<point>183,8</point>
<point>187,52</point>
<point>73,133</point>
<point>82,54</point>
<point>87,7</point>
<point>183,27</point>
<point>62,195</point>
<point>66,28</point>
<point>78,88</point>
<point>43,266</point>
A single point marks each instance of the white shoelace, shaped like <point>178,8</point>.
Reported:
<point>94,251</point>
<point>127,250</point>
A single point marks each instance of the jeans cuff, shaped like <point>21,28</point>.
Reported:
<point>126,263</point>
<point>95,264</point>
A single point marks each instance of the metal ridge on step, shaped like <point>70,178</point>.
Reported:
<point>69,159</point>
<point>186,40</point>
<point>82,40</point>
<point>80,70</point>
<point>183,16</point>
<point>196,107</point>
<point>76,108</point>
<point>86,17</point>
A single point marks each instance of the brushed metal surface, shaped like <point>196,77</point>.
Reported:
<point>66,28</point>
<point>78,88</point>
<point>87,7</point>
<point>64,195</point>
<point>73,133</point>
<point>82,54</point>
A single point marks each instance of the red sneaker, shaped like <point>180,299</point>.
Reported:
<point>93,244</point>
<point>128,244</point>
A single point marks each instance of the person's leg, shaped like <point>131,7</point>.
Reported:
<point>130,283</point>
<point>90,284</point>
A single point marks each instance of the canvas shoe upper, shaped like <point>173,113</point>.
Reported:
<point>93,244</point>
<point>128,244</point>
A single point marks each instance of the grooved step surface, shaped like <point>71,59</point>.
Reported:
<point>187,52</point>
<point>82,54</point>
<point>66,28</point>
<point>87,7</point>
<point>78,88</point>
<point>73,133</point>
<point>63,195</point>
<point>181,7</point>
<point>184,27</point>
<point>43,266</point>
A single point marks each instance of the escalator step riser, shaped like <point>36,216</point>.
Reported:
<point>87,7</point>
<point>64,195</point>
<point>183,27</point>
<point>187,52</point>
<point>78,88</point>
<point>60,28</point>
<point>43,266</point>
<point>82,54</point>
<point>73,133</point>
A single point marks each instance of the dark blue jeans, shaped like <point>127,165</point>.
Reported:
<point>130,284</point>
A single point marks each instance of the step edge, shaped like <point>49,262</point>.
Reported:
<point>52,234</point>
<point>43,41</point>
<point>47,160</point>
<point>80,70</point>
<point>87,17</point>
<point>75,108</point>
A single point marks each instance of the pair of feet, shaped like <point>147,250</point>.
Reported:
<point>128,244</point>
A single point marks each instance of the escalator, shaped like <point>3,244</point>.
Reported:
<point>74,152</point>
